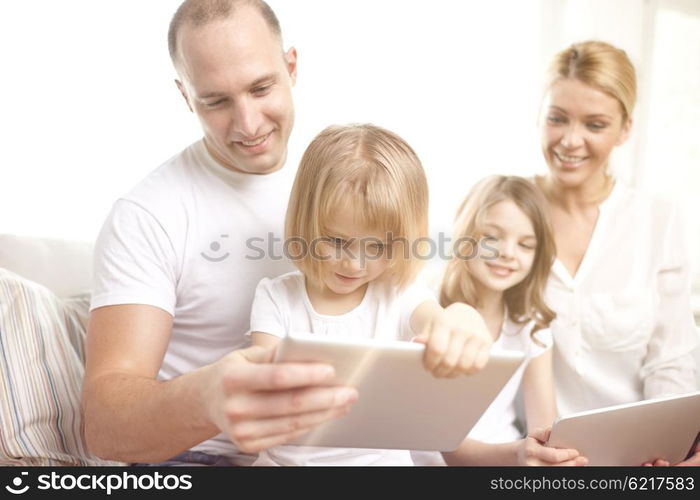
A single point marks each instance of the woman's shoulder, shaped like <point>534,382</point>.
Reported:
<point>656,210</point>
<point>630,195</point>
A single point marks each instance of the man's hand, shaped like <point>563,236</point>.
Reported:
<point>457,340</point>
<point>258,404</point>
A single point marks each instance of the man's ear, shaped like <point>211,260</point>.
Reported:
<point>625,132</point>
<point>291,59</point>
<point>181,88</point>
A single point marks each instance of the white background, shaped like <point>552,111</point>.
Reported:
<point>89,106</point>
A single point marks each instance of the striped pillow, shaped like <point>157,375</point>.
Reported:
<point>41,371</point>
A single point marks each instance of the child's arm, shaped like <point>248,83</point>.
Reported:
<point>540,407</point>
<point>472,452</point>
<point>457,339</point>
<point>264,339</point>
<point>528,451</point>
<point>538,392</point>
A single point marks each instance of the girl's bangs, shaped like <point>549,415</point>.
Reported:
<point>369,202</point>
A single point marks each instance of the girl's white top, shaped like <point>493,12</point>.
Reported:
<point>282,306</point>
<point>498,423</point>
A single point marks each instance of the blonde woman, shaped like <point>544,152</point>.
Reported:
<point>501,269</point>
<point>620,285</point>
<point>356,215</point>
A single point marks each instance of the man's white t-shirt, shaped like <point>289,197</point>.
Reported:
<point>282,306</point>
<point>193,239</point>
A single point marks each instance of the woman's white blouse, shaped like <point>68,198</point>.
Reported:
<point>624,329</point>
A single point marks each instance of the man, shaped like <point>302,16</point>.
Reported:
<point>173,286</point>
<point>167,369</point>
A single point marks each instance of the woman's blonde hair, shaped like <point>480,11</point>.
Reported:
<point>371,172</point>
<point>599,65</point>
<point>524,301</point>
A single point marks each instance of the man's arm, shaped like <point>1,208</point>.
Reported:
<point>132,417</point>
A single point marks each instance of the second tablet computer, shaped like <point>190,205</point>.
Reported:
<point>401,405</point>
<point>633,433</point>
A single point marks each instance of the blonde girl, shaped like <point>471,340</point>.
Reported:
<point>355,219</point>
<point>503,253</point>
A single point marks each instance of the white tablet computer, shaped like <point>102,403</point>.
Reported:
<point>632,434</point>
<point>401,405</point>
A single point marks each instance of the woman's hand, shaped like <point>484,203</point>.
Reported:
<point>693,461</point>
<point>456,338</point>
<point>533,451</point>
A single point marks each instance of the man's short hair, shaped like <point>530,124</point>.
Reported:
<point>200,12</point>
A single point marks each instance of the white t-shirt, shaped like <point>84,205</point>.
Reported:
<point>498,423</point>
<point>181,241</point>
<point>624,329</point>
<point>282,306</point>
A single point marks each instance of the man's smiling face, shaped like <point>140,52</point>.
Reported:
<point>236,78</point>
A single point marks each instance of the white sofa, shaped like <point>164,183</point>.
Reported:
<point>64,267</point>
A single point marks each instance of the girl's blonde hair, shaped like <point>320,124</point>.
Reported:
<point>525,301</point>
<point>371,172</point>
<point>599,65</point>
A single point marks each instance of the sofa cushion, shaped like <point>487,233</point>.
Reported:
<point>64,267</point>
<point>41,372</point>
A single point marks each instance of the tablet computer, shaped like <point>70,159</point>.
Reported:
<point>632,434</point>
<point>401,405</point>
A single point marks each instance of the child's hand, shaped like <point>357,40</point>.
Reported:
<point>457,341</point>
<point>533,451</point>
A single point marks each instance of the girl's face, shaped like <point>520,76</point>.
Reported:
<point>511,249</point>
<point>580,128</point>
<point>354,254</point>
